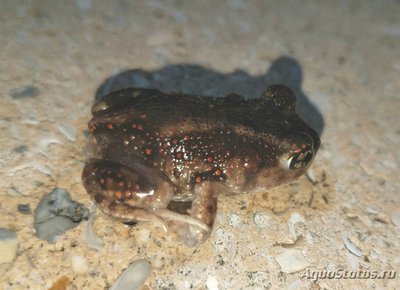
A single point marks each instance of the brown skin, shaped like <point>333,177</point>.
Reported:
<point>166,157</point>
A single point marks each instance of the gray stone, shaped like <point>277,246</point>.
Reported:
<point>57,213</point>
<point>28,91</point>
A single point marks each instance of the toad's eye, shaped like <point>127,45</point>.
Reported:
<point>298,159</point>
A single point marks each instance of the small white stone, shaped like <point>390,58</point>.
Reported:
<point>212,283</point>
<point>134,276</point>
<point>351,247</point>
<point>261,219</point>
<point>395,217</point>
<point>79,264</point>
<point>234,220</point>
<point>8,245</point>
<point>292,260</point>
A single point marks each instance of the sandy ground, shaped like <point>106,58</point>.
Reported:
<point>341,57</point>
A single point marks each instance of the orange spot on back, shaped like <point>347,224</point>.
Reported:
<point>110,126</point>
<point>140,127</point>
<point>118,194</point>
<point>218,172</point>
<point>134,125</point>
<point>148,151</point>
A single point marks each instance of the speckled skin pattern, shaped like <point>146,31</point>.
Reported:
<point>166,157</point>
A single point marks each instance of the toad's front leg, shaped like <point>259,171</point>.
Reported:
<point>204,208</point>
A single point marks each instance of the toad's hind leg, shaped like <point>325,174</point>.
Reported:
<point>139,193</point>
<point>125,193</point>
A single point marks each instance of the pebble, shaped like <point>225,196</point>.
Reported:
<point>234,220</point>
<point>212,283</point>
<point>395,217</point>
<point>351,247</point>
<point>133,277</point>
<point>21,149</point>
<point>28,91</point>
<point>292,260</point>
<point>57,213</point>
<point>261,219</point>
<point>8,245</point>
<point>24,208</point>
<point>79,264</point>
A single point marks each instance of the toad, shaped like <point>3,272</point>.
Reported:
<point>166,157</point>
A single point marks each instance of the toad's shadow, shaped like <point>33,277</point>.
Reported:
<point>197,80</point>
